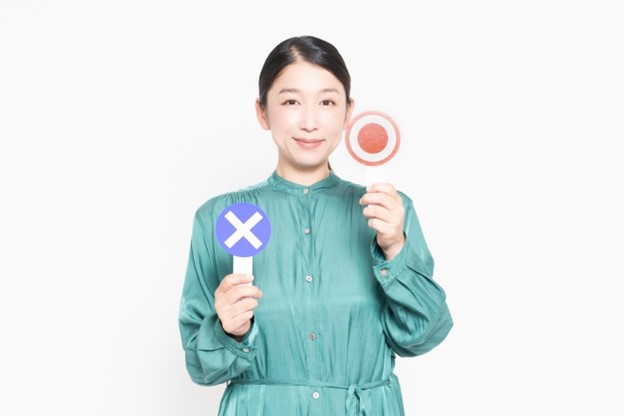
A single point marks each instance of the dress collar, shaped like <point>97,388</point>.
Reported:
<point>281,184</point>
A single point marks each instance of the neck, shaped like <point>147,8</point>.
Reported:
<point>304,177</point>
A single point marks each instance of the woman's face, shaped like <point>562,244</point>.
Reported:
<point>307,112</point>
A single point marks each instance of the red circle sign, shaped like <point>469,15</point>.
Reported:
<point>372,138</point>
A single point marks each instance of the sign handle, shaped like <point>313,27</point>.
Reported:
<point>243,265</point>
<point>375,174</point>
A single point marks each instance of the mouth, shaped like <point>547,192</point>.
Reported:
<point>308,143</point>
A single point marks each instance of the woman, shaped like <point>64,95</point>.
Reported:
<point>345,283</point>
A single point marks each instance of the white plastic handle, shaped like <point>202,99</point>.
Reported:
<point>243,265</point>
<point>375,174</point>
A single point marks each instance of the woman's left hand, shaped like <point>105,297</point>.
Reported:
<point>386,214</point>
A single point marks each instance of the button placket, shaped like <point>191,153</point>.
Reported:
<point>308,323</point>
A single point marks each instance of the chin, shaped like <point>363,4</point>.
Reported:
<point>311,166</point>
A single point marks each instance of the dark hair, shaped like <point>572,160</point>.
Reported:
<point>302,48</point>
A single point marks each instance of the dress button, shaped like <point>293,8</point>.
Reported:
<point>306,191</point>
<point>316,395</point>
<point>312,336</point>
<point>306,231</point>
<point>245,349</point>
<point>383,272</point>
<point>308,278</point>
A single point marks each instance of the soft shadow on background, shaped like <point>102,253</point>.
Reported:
<point>118,119</point>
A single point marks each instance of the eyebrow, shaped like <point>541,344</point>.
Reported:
<point>295,90</point>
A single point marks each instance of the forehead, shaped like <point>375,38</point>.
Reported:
<point>306,77</point>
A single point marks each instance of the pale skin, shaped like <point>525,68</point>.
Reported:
<point>306,112</point>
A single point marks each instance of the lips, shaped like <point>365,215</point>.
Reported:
<point>308,142</point>
<point>301,139</point>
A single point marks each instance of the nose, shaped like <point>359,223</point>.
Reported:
<point>309,118</point>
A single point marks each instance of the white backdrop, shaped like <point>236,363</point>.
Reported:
<point>119,118</point>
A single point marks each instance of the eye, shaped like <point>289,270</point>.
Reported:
<point>327,102</point>
<point>290,102</point>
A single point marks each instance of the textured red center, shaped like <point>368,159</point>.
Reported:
<point>372,138</point>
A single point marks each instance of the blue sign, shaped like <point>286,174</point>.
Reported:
<point>243,229</point>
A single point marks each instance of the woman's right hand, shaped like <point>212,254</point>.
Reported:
<point>235,300</point>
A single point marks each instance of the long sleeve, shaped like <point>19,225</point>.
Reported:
<point>415,317</point>
<point>212,357</point>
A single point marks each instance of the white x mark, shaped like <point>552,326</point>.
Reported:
<point>243,229</point>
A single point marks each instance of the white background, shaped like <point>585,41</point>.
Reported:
<point>119,118</point>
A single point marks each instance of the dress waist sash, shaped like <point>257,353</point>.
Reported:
<point>354,403</point>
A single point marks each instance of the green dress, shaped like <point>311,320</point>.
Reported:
<point>334,313</point>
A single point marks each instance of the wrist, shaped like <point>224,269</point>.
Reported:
<point>393,250</point>
<point>241,332</point>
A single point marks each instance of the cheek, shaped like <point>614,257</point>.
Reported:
<point>282,119</point>
<point>336,123</point>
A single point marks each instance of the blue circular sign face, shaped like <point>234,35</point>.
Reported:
<point>243,229</point>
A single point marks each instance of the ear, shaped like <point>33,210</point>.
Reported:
<point>349,113</point>
<point>262,116</point>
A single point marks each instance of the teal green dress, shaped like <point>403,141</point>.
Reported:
<point>334,313</point>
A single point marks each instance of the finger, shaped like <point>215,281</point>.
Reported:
<point>244,291</point>
<point>378,198</point>
<point>239,323</point>
<point>238,279</point>
<point>233,315</point>
<point>382,227</point>
<point>236,294</point>
<point>383,187</point>
<point>244,305</point>
<point>386,221</point>
<point>377,211</point>
<point>384,201</point>
<point>232,280</point>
